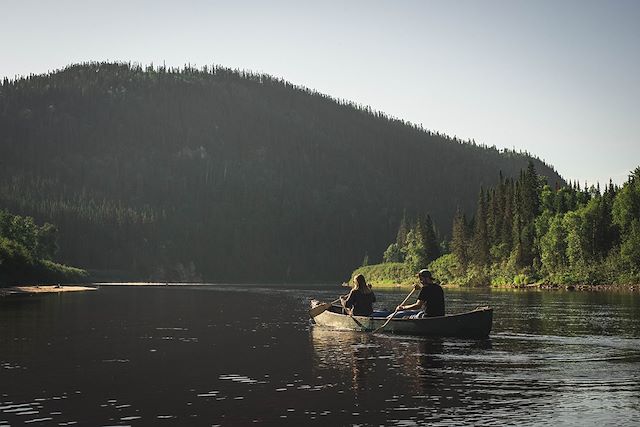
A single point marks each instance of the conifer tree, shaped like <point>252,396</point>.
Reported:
<point>480,240</point>
<point>494,216</point>
<point>392,254</point>
<point>459,239</point>
<point>517,249</point>
<point>506,235</point>
<point>431,246</point>
<point>403,229</point>
<point>530,200</point>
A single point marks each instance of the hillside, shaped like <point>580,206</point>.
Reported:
<point>217,174</point>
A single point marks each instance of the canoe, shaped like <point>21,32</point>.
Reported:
<point>472,324</point>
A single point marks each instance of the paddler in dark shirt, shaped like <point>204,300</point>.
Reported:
<point>361,298</point>
<point>431,298</point>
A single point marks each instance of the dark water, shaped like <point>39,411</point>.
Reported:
<point>223,355</point>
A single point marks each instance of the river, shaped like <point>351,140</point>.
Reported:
<point>244,355</point>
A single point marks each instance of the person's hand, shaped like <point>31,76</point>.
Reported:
<point>400,308</point>
<point>417,287</point>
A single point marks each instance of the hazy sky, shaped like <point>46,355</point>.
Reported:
<point>560,79</point>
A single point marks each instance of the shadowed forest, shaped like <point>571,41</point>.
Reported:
<point>218,174</point>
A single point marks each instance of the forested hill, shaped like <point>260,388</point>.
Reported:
<point>217,174</point>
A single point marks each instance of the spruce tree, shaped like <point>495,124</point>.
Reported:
<point>480,240</point>
<point>459,240</point>
<point>431,246</point>
<point>403,229</point>
<point>506,235</point>
<point>517,250</point>
<point>530,194</point>
<point>494,217</point>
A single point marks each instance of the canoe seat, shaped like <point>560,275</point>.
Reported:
<point>380,313</point>
<point>399,315</point>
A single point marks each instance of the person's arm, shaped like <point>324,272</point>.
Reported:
<point>350,299</point>
<point>418,304</point>
<point>347,301</point>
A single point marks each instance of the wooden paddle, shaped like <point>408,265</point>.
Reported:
<point>321,308</point>
<point>394,313</point>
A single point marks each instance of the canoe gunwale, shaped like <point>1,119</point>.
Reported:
<point>473,324</point>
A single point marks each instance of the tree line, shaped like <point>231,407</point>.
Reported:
<point>215,174</point>
<point>525,231</point>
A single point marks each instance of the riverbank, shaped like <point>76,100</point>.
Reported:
<point>399,276</point>
<point>533,286</point>
<point>43,289</point>
<point>590,288</point>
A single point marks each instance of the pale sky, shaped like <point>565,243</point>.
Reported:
<point>559,79</point>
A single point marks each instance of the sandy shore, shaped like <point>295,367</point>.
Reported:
<point>43,289</point>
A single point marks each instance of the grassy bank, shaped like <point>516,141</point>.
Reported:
<point>397,274</point>
<point>387,275</point>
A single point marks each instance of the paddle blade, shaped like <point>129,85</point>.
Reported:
<point>318,309</point>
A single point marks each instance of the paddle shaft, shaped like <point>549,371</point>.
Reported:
<point>394,313</point>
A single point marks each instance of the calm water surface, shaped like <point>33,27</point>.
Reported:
<point>240,355</point>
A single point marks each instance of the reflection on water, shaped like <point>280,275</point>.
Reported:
<point>224,355</point>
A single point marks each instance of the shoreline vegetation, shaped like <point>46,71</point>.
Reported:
<point>526,235</point>
<point>380,279</point>
<point>27,251</point>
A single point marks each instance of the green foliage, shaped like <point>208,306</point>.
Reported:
<point>626,215</point>
<point>577,250</point>
<point>459,241</point>
<point>500,252</point>
<point>403,229</point>
<point>626,206</point>
<point>524,233</point>
<point>392,254</point>
<point>521,279</point>
<point>25,252</point>
<point>47,241</point>
<point>55,272</point>
<point>630,248</point>
<point>394,273</point>
<point>480,240</point>
<point>445,268</point>
<point>415,256</point>
<point>553,245</point>
<point>429,236</point>
<point>13,255</point>
<point>501,281</point>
